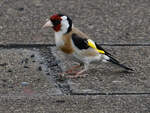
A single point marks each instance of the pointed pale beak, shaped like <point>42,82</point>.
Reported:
<point>48,24</point>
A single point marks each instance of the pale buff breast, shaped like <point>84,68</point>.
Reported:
<point>67,46</point>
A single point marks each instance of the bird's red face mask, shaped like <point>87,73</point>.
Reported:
<point>54,22</point>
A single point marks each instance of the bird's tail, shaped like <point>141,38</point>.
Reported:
<point>116,62</point>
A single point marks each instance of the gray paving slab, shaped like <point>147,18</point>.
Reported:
<point>107,78</point>
<point>23,72</point>
<point>105,21</point>
<point>41,94</point>
<point>30,84</point>
<point>76,104</point>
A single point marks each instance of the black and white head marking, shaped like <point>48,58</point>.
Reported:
<point>66,23</point>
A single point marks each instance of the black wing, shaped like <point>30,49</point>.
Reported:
<point>80,43</point>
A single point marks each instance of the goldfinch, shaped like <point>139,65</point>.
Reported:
<point>78,45</point>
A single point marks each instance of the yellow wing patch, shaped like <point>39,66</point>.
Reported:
<point>92,44</point>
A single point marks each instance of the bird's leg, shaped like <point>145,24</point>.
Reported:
<point>80,73</point>
<point>70,71</point>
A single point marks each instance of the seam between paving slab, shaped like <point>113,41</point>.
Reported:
<point>7,46</point>
<point>110,94</point>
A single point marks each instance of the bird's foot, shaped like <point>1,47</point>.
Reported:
<point>78,74</point>
<point>71,70</point>
<point>67,72</point>
<point>63,74</point>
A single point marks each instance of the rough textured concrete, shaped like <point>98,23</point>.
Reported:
<point>107,78</point>
<point>22,65</point>
<point>107,21</point>
<point>24,72</point>
<point>27,81</point>
<point>77,104</point>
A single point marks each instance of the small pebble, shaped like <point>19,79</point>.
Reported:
<point>33,61</point>
<point>32,55</point>
<point>26,66</point>
<point>9,70</point>
<point>47,73</point>
<point>20,9</point>
<point>40,68</point>
<point>53,64</point>
<point>41,63</point>
<point>25,60</point>
<point>24,83</point>
<point>10,86</point>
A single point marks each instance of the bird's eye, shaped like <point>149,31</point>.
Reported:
<point>56,22</point>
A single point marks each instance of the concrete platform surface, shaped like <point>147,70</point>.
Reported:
<point>76,104</point>
<point>29,75</point>
<point>105,21</point>
<point>27,88</point>
<point>23,72</point>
